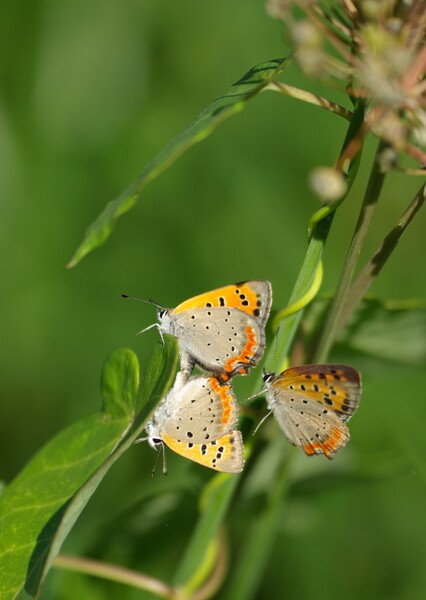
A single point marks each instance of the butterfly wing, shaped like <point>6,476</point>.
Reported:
<point>220,339</point>
<point>312,403</point>
<point>252,297</point>
<point>337,387</point>
<point>226,454</point>
<point>200,411</point>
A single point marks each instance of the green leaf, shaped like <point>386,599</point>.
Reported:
<point>119,383</point>
<point>390,331</point>
<point>228,104</point>
<point>39,508</point>
<point>158,376</point>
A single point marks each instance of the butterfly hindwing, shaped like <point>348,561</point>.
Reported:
<point>222,339</point>
<point>308,424</point>
<point>225,454</point>
<point>200,411</point>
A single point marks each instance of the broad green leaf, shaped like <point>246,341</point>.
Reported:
<point>390,331</point>
<point>39,508</point>
<point>226,105</point>
<point>393,333</point>
<point>120,383</point>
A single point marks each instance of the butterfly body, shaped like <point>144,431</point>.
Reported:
<point>197,420</point>
<point>312,404</point>
<point>222,331</point>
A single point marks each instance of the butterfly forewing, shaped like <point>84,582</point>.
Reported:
<point>337,387</point>
<point>252,297</point>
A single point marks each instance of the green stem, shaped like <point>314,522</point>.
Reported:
<point>111,572</point>
<point>372,269</point>
<point>368,207</point>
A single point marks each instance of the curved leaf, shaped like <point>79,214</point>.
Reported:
<point>231,102</point>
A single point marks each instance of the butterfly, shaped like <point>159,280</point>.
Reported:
<point>197,420</point>
<point>222,331</point>
<point>313,403</point>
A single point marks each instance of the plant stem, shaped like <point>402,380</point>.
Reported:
<point>371,270</point>
<point>114,573</point>
<point>298,94</point>
<point>368,207</point>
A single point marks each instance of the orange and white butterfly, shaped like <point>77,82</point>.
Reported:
<point>312,404</point>
<point>197,420</point>
<point>222,331</point>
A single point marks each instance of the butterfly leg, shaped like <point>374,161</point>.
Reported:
<point>262,421</point>
<point>186,363</point>
<point>180,380</point>
<point>157,325</point>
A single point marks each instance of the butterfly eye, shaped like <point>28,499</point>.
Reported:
<point>161,313</point>
<point>267,376</point>
<point>157,441</point>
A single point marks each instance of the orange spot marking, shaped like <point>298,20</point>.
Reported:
<point>246,354</point>
<point>328,447</point>
<point>227,400</point>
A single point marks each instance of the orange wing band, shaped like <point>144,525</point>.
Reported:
<point>329,447</point>
<point>227,400</point>
<point>247,353</point>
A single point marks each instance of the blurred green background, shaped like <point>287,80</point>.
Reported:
<point>90,91</point>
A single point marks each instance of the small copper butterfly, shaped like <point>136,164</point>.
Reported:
<point>312,404</point>
<point>197,420</point>
<point>222,331</point>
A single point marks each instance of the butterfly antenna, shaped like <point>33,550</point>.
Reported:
<point>126,297</point>
<point>262,421</point>
<point>156,461</point>
<point>164,461</point>
<point>256,395</point>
